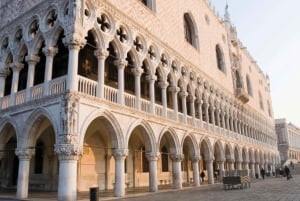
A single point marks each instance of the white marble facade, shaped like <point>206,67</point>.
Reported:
<point>91,95</point>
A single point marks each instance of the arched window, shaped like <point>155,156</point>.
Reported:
<point>249,86</point>
<point>60,61</point>
<point>238,80</point>
<point>269,109</point>
<point>220,59</point>
<point>149,3</point>
<point>260,101</point>
<point>39,73</point>
<point>190,33</point>
<point>164,159</point>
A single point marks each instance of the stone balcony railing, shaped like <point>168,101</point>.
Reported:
<point>88,87</point>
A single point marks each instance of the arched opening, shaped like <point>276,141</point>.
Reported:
<point>187,167</point>
<point>87,61</point>
<point>190,32</point>
<point>158,91</point>
<point>129,75</point>
<point>111,70</point>
<point>8,80</point>
<point>137,162</point>
<point>170,103</point>
<point>144,82</point>
<point>249,86</point>
<point>39,73</point>
<point>23,74</point>
<point>60,60</point>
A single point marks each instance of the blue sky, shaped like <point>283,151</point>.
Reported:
<point>270,29</point>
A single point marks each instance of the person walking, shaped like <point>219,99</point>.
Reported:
<point>202,175</point>
<point>262,172</point>
<point>287,173</point>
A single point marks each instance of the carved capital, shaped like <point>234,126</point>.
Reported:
<point>32,59</point>
<point>177,157</point>
<point>152,156</point>
<point>195,159</point>
<point>101,54</point>
<point>120,63</point>
<point>74,41</point>
<point>137,71</point>
<point>183,94</point>
<point>4,72</point>
<point>163,84</point>
<point>120,153</point>
<point>68,151</point>
<point>151,78</point>
<point>16,66</point>
<point>174,89</point>
<point>50,51</point>
<point>24,153</point>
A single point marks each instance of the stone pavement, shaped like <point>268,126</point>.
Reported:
<point>270,189</point>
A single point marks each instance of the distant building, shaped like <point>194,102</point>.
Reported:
<point>288,141</point>
<point>135,93</point>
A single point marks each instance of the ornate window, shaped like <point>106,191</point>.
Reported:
<point>249,86</point>
<point>220,59</point>
<point>190,31</point>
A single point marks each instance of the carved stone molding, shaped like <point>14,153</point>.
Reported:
<point>152,156</point>
<point>177,157</point>
<point>24,153</point>
<point>195,158</point>
<point>69,117</point>
<point>120,153</point>
<point>68,151</point>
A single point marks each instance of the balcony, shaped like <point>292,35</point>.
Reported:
<point>242,95</point>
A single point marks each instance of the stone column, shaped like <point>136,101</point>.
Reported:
<point>222,170</point>
<point>195,161</point>
<point>183,95</point>
<point>23,174</point>
<point>210,171</point>
<point>246,163</point>
<point>212,113</point>
<point>121,64</point>
<point>206,112</point>
<point>200,102</point>
<point>177,183</point>
<point>137,75</point>
<point>32,61</point>
<point>239,165</point>
<point>163,86</point>
<point>3,74</point>
<point>119,155</point>
<point>49,52</point>
<point>174,91</point>
<point>68,155</point>
<point>192,108</point>
<point>227,122</point>
<point>153,184</point>
<point>107,172</point>
<point>72,77</point>
<point>252,169</point>
<point>101,55</point>
<point>231,164</point>
<point>17,67</point>
<point>151,79</point>
<point>223,119</point>
<point>217,120</point>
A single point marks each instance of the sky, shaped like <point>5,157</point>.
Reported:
<point>270,29</point>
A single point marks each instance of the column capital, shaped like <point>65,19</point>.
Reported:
<point>190,98</point>
<point>32,59</point>
<point>152,156</point>
<point>195,158</point>
<point>24,153</point>
<point>50,51</point>
<point>4,72</point>
<point>74,41</point>
<point>174,89</point>
<point>68,151</point>
<point>17,66</point>
<point>151,77</point>
<point>163,84</point>
<point>120,153</point>
<point>101,54</point>
<point>120,63</point>
<point>137,71</point>
<point>183,93</point>
<point>177,157</point>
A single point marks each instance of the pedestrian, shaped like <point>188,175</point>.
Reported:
<point>262,172</point>
<point>202,175</point>
<point>287,173</point>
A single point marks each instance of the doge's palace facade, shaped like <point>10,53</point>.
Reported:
<point>126,94</point>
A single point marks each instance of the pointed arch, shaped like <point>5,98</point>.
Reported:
<point>249,86</point>
<point>192,145</point>
<point>190,30</point>
<point>220,58</point>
